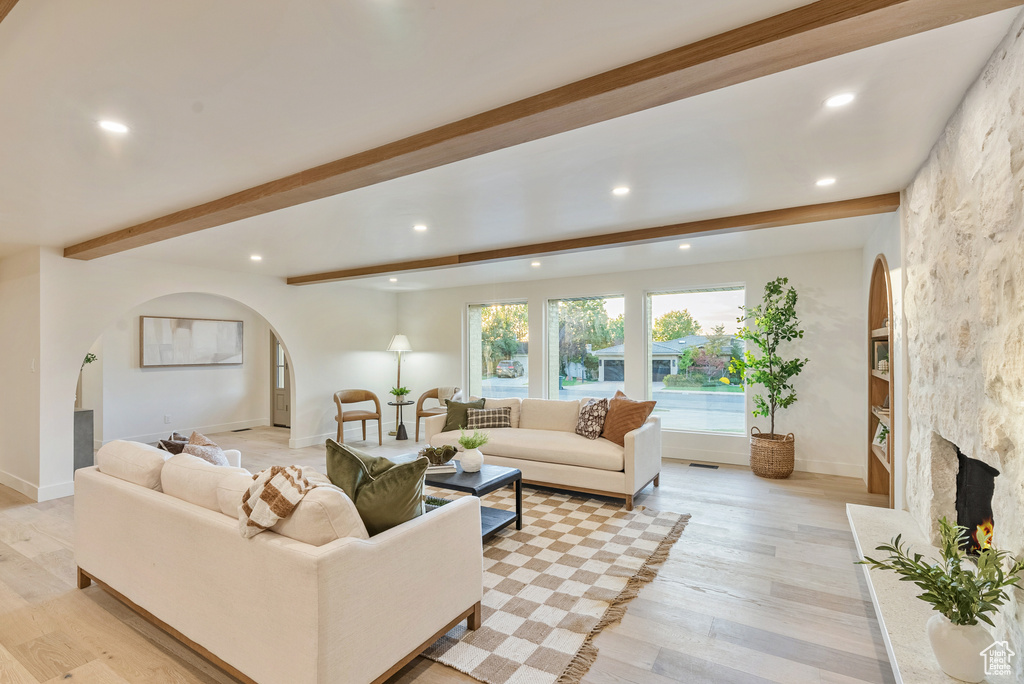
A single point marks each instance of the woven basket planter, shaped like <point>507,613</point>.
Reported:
<point>772,456</point>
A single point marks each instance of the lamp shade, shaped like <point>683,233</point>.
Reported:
<point>399,343</point>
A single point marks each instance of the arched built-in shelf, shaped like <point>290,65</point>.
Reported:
<point>880,389</point>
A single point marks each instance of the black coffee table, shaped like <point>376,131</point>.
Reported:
<point>490,478</point>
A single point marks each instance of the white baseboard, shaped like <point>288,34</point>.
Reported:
<point>56,491</point>
<point>743,459</point>
<point>353,433</point>
<point>19,485</point>
<point>204,429</point>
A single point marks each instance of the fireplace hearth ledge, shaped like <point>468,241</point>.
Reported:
<point>901,615</point>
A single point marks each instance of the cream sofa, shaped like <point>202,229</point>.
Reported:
<point>543,444</point>
<point>272,609</point>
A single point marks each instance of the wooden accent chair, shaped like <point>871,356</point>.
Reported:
<point>355,396</point>
<point>427,412</point>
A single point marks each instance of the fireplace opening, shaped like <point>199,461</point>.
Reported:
<point>975,484</point>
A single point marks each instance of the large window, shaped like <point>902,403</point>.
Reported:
<point>692,340</point>
<point>585,350</point>
<point>498,343</point>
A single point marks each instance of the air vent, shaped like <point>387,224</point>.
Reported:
<point>704,465</point>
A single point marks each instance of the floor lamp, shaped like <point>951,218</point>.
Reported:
<point>399,343</point>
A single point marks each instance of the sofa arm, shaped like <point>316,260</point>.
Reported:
<point>432,425</point>
<point>643,454</point>
<point>234,457</point>
<point>383,597</point>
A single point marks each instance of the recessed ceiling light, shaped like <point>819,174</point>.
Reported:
<point>535,264</point>
<point>393,280</point>
<point>256,257</point>
<point>840,100</point>
<point>825,182</point>
<point>419,227</point>
<point>621,190</point>
<point>113,126</point>
<point>685,245</point>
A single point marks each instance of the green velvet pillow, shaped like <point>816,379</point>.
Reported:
<point>386,494</point>
<point>458,414</point>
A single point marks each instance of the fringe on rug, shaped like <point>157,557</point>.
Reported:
<point>587,654</point>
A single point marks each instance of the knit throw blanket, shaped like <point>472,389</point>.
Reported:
<point>273,495</point>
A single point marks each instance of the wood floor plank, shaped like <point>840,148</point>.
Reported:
<point>93,672</point>
<point>51,655</point>
<point>823,599</point>
<point>12,671</point>
<point>687,668</point>
<point>823,657</point>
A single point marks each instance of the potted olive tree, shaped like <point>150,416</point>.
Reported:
<point>961,594</point>
<point>770,325</point>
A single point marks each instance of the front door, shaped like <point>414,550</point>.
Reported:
<point>281,395</point>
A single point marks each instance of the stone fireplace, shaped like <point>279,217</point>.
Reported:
<point>963,241</point>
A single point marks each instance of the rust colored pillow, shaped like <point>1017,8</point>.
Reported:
<point>625,415</point>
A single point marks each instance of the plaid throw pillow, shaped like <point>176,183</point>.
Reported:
<point>489,418</point>
<point>591,421</point>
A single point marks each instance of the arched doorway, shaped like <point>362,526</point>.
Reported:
<point>132,398</point>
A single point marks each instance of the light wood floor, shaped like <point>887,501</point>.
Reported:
<point>760,588</point>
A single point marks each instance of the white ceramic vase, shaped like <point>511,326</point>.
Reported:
<point>471,460</point>
<point>958,647</point>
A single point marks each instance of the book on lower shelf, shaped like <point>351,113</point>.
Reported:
<point>441,469</point>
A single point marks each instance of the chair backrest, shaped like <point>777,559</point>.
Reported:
<point>354,396</point>
<point>429,394</point>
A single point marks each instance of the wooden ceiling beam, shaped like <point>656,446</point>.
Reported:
<point>801,36</point>
<point>864,206</point>
<point>5,8</point>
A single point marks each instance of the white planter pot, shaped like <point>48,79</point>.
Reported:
<point>471,460</point>
<point>958,648</point>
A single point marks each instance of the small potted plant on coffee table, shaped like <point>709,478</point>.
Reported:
<point>472,459</point>
<point>961,593</point>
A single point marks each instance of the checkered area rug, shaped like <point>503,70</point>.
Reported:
<point>551,587</point>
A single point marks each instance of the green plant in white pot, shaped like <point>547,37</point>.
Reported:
<point>774,323</point>
<point>472,458</point>
<point>962,593</point>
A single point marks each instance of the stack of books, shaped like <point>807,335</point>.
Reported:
<point>441,469</point>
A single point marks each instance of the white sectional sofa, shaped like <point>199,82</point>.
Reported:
<point>272,609</point>
<point>543,444</point>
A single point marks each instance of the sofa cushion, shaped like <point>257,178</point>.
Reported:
<point>457,411</point>
<point>549,446</point>
<point>513,403</point>
<point>133,462</point>
<point>549,414</point>
<point>386,494</point>
<point>625,415</point>
<point>193,479</point>
<point>324,514</point>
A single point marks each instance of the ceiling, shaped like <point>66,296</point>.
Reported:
<point>221,96</point>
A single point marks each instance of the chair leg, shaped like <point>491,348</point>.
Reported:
<point>629,502</point>
<point>417,428</point>
<point>364,430</point>
<point>380,433</point>
<point>657,480</point>
<point>341,433</point>
<point>84,580</point>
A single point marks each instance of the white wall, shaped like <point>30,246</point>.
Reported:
<point>829,419</point>
<point>886,240</point>
<point>207,398</point>
<point>19,370</point>
<point>335,335</point>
